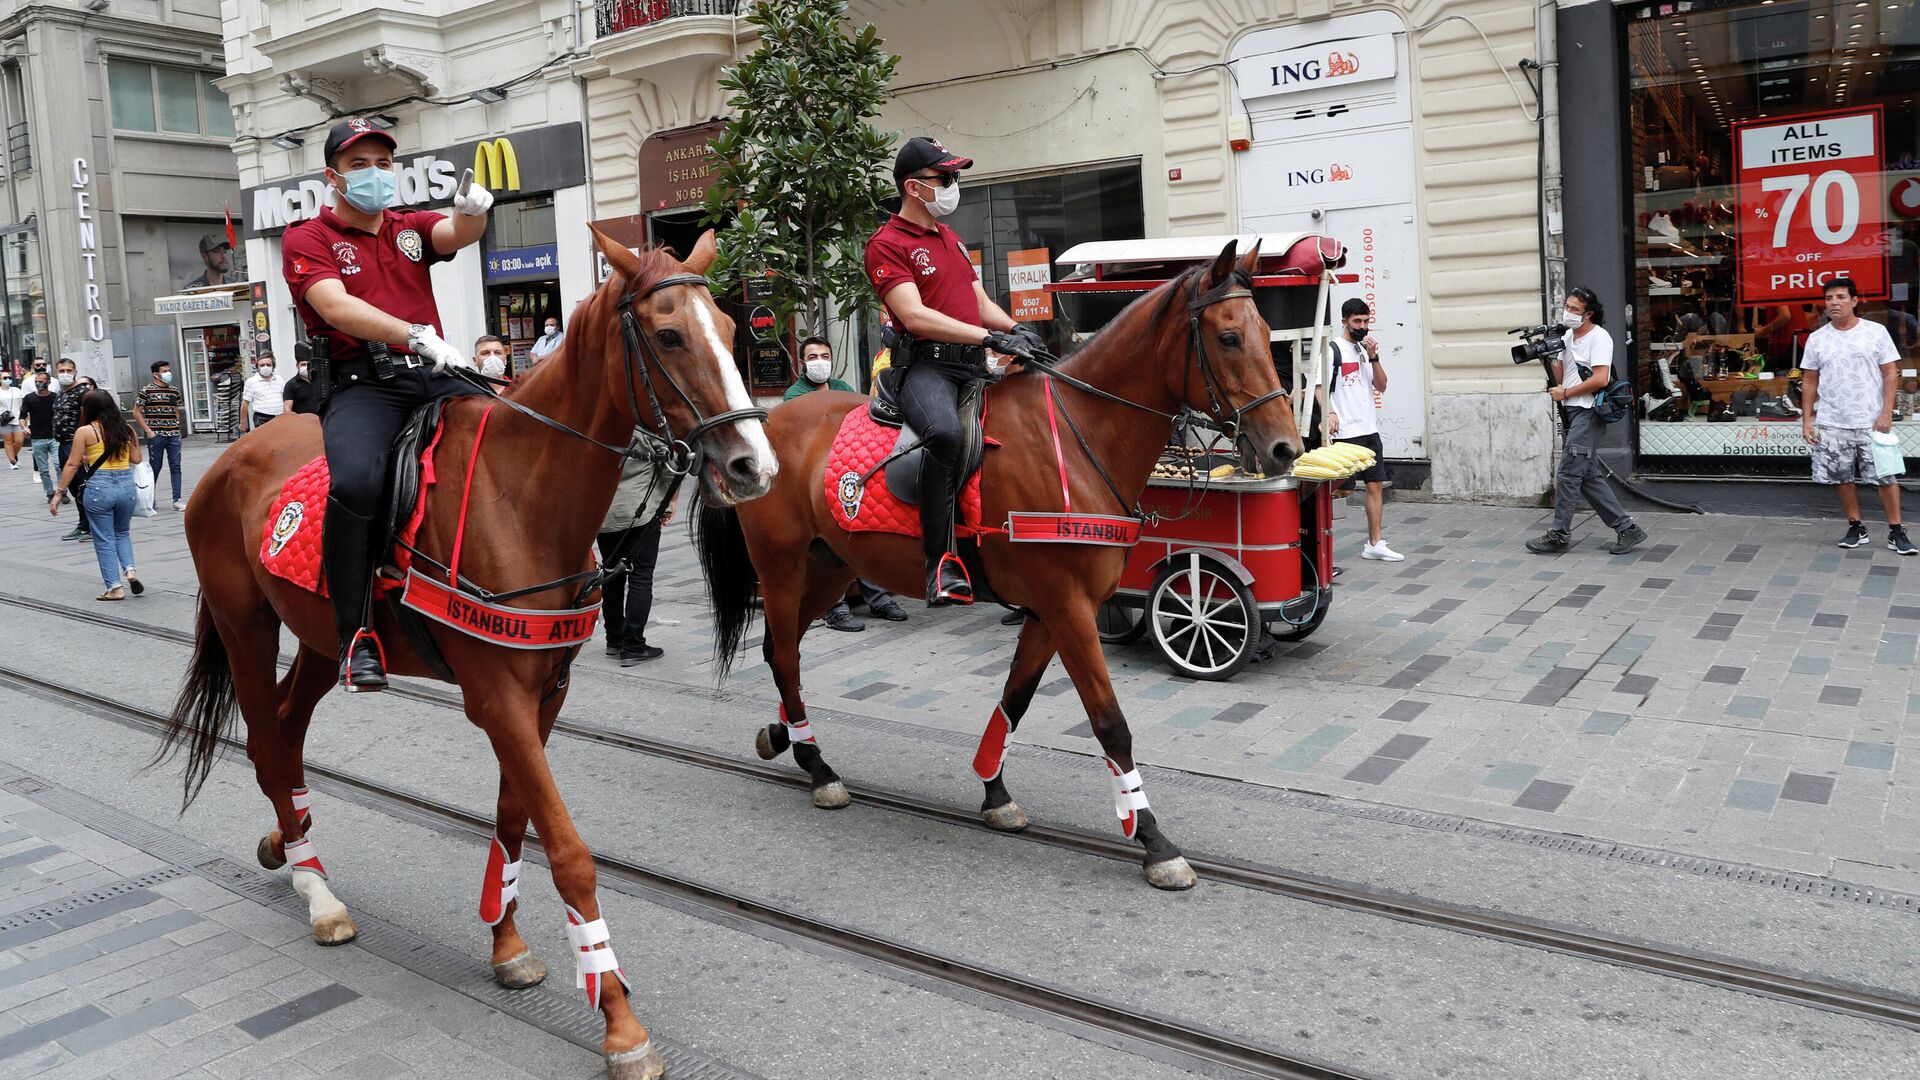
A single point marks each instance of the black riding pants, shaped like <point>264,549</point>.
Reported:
<point>930,400</point>
<point>359,425</point>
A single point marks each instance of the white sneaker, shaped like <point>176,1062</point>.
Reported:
<point>179,504</point>
<point>1380,552</point>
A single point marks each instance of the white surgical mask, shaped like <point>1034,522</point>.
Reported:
<point>552,329</point>
<point>819,370</point>
<point>1571,321</point>
<point>167,377</point>
<point>66,379</point>
<point>493,366</point>
<point>945,199</point>
<point>266,371</point>
<point>301,371</point>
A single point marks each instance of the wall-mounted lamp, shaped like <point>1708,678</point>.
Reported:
<point>288,142</point>
<point>490,94</point>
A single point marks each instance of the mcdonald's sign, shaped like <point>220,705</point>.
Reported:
<point>494,166</point>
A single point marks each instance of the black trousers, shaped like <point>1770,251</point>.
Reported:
<point>359,426</point>
<point>930,400</point>
<point>625,604</point>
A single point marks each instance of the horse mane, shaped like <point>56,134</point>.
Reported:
<point>1161,299</point>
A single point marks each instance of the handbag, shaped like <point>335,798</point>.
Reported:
<point>6,417</point>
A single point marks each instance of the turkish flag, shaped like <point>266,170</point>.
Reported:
<point>231,240</point>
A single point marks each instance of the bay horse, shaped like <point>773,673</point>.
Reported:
<point>537,495</point>
<point>1196,342</point>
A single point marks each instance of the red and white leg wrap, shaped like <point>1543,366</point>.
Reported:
<point>501,886</point>
<point>1128,797</point>
<point>591,962</point>
<point>991,758</point>
<point>301,856</point>
<point>801,732</point>
<point>303,807</point>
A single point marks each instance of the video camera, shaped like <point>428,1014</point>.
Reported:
<point>1538,343</point>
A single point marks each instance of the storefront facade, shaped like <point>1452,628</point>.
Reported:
<point>1759,149</point>
<point>502,105</point>
<point>1147,119</point>
<point>115,181</point>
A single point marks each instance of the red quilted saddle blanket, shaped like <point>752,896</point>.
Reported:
<point>290,548</point>
<point>869,507</point>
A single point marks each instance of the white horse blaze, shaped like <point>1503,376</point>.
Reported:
<point>736,392</point>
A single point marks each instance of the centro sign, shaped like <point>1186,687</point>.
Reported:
<point>1340,62</point>
<point>423,179</point>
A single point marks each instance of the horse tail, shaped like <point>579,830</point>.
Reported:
<point>204,709</point>
<point>732,581</point>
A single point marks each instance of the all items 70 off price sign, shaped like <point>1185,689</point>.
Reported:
<point>1810,205</point>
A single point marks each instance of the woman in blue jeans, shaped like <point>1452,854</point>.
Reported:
<point>105,447</point>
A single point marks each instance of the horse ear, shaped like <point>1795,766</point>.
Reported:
<point>1223,265</point>
<point>1250,262</point>
<point>704,252</point>
<point>624,262</point>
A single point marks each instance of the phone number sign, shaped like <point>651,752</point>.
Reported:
<point>1810,206</point>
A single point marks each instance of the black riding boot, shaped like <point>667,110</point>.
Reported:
<point>346,558</point>
<point>947,581</point>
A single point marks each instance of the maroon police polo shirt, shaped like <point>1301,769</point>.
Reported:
<point>933,259</point>
<point>387,269</point>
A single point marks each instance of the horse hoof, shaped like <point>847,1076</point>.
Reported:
<point>763,743</point>
<point>1008,818</point>
<point>521,972</point>
<point>1172,875</point>
<point>641,1063</point>
<point>266,856</point>
<point>335,929</point>
<point>831,796</point>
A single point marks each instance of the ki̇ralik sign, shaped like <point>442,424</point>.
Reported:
<point>1810,205</point>
<point>1028,274</point>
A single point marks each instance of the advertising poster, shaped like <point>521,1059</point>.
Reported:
<point>1028,273</point>
<point>1810,205</point>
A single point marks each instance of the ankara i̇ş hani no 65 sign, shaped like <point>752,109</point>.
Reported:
<point>1810,205</point>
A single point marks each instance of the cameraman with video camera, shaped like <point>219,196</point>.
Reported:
<point>1581,371</point>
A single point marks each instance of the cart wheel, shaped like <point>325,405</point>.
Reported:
<point>1120,623</point>
<point>1203,619</point>
<point>1286,631</point>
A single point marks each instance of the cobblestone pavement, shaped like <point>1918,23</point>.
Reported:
<point>1738,688</point>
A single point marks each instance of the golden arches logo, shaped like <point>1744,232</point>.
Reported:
<point>494,166</point>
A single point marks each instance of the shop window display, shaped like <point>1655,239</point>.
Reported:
<point>1773,145</point>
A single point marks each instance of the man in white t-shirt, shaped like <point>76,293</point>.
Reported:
<point>1848,376</point>
<point>1357,376</point>
<point>263,398</point>
<point>1579,373</point>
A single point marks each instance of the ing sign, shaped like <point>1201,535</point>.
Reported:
<point>1810,206</point>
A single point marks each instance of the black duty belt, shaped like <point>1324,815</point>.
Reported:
<point>943,352</point>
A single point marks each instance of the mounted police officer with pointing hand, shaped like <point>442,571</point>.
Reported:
<point>922,274</point>
<point>359,273</point>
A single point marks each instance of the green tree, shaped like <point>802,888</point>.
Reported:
<point>804,171</point>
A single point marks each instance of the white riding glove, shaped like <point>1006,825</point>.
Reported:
<point>474,201</point>
<point>426,344</point>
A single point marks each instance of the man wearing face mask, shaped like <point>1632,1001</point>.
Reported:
<point>264,396</point>
<point>490,356</point>
<point>36,412</point>
<point>921,272</point>
<point>1357,376</point>
<point>301,396</point>
<point>548,342</point>
<point>158,409</point>
<point>70,389</point>
<point>359,273</point>
<point>1580,371</point>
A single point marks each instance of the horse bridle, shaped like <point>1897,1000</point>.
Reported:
<point>683,455</point>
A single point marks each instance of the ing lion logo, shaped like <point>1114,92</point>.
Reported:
<point>851,492</point>
<point>1339,64</point>
<point>1337,171</point>
<point>286,525</point>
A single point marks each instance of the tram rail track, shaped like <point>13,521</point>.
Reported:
<point>1200,1044</point>
<point>1721,972</point>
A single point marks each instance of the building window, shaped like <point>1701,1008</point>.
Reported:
<point>1771,147</point>
<point>151,97</point>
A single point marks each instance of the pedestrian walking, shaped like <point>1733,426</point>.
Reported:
<point>11,394</point>
<point>630,536</point>
<point>158,408</point>
<point>105,451</point>
<point>72,390</point>
<point>490,356</point>
<point>549,341</point>
<point>816,373</point>
<point>1351,417</point>
<point>264,396</point>
<point>36,415</point>
<point>1849,375</point>
<point>1579,372</point>
<point>301,396</point>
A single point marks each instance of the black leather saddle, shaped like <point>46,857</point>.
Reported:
<point>903,464</point>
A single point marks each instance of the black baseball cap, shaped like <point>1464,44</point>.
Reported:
<point>347,132</point>
<point>924,153</point>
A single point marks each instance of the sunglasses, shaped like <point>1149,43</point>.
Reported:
<point>943,179</point>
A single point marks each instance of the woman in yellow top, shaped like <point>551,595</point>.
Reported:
<point>105,446</point>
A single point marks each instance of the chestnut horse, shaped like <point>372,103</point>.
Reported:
<point>650,339</point>
<point>1197,342</point>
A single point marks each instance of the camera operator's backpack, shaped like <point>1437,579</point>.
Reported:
<point>1616,402</point>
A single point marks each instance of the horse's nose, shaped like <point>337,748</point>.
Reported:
<point>1283,453</point>
<point>744,473</point>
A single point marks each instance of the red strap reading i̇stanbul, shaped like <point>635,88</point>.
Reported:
<point>1054,423</point>
<point>466,490</point>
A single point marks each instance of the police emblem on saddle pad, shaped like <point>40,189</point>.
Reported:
<point>290,550</point>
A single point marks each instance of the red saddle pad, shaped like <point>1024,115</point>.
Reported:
<point>870,507</point>
<point>290,548</point>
